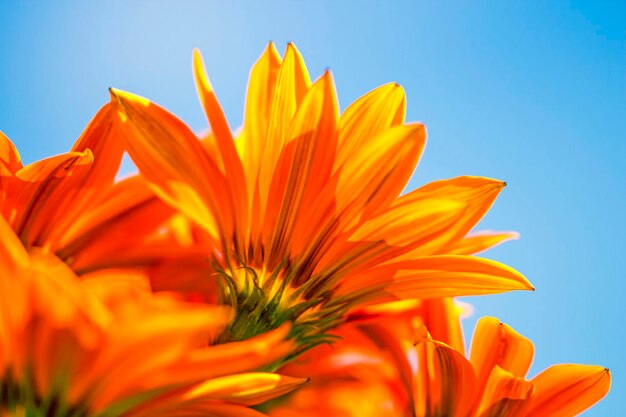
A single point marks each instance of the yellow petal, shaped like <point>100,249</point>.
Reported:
<point>247,389</point>
<point>441,276</point>
<point>477,194</point>
<point>376,111</point>
<point>355,188</point>
<point>260,94</point>
<point>292,86</point>
<point>479,242</point>
<point>303,169</point>
<point>567,390</point>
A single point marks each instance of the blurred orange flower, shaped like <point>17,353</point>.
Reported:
<point>378,369</point>
<point>303,206</point>
<point>109,347</point>
<point>72,205</point>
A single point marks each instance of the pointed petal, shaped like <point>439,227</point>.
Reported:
<point>107,149</point>
<point>378,171</point>
<point>445,383</point>
<point>477,194</point>
<point>261,84</point>
<point>441,318</point>
<point>479,242</point>
<point>246,389</point>
<point>9,155</point>
<point>303,168</point>
<point>291,87</point>
<point>371,114</point>
<point>235,174</point>
<point>567,390</point>
<point>497,344</point>
<point>47,192</point>
<point>439,276</point>
<point>358,186</point>
<point>170,156</point>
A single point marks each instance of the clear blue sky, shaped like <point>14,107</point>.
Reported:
<point>533,93</point>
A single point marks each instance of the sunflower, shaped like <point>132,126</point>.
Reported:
<point>302,207</point>
<point>109,348</point>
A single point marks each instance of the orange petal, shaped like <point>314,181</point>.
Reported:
<point>567,390</point>
<point>170,156</point>
<point>100,237</point>
<point>445,384</point>
<point>476,194</point>
<point>303,169</point>
<point>292,86</point>
<point>107,149</point>
<point>504,395</point>
<point>441,318</point>
<point>9,156</point>
<point>479,242</point>
<point>374,112</point>
<point>360,183</point>
<point>13,256</point>
<point>47,192</point>
<point>233,166</point>
<point>497,344</point>
<point>440,276</point>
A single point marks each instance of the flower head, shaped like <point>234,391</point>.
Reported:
<point>303,206</point>
<point>422,377</point>
<point>109,347</point>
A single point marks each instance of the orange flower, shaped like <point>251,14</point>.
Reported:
<point>426,378</point>
<point>71,205</point>
<point>303,207</point>
<point>72,347</point>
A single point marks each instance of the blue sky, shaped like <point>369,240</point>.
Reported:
<point>533,93</point>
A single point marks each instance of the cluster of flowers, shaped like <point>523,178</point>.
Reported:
<point>274,270</point>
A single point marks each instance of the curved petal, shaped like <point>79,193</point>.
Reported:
<point>480,241</point>
<point>504,395</point>
<point>259,97</point>
<point>170,156</point>
<point>497,344</point>
<point>107,148</point>
<point>567,390</point>
<point>292,86</point>
<point>303,169</point>
<point>445,384</point>
<point>48,189</point>
<point>235,175</point>
<point>374,112</point>
<point>441,318</point>
<point>246,389</point>
<point>9,156</point>
<point>439,276</point>
<point>358,186</point>
<point>477,194</point>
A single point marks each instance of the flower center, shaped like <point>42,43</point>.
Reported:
<point>264,301</point>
